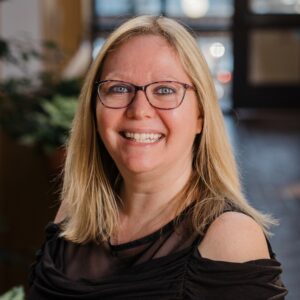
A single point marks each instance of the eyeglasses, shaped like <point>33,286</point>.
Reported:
<point>161,94</point>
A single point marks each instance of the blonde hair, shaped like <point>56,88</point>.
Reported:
<point>89,193</point>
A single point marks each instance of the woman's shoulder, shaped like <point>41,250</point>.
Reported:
<point>234,237</point>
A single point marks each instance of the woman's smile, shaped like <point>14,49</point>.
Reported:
<point>142,136</point>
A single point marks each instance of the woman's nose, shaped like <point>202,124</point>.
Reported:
<point>140,107</point>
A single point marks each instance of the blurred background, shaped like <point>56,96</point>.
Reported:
<point>253,50</point>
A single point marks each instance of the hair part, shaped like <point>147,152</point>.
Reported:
<point>90,175</point>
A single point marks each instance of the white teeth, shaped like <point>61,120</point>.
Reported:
<point>143,137</point>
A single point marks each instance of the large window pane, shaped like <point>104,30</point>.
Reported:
<point>126,7</point>
<point>174,8</point>
<point>275,6</point>
<point>199,8</point>
<point>274,57</point>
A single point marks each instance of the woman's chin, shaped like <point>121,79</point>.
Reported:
<point>138,167</point>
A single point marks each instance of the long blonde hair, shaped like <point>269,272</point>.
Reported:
<point>89,192</point>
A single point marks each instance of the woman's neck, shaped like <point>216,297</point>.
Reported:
<point>149,204</point>
<point>146,196</point>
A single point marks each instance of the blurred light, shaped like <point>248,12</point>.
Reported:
<point>217,50</point>
<point>98,43</point>
<point>195,8</point>
<point>79,63</point>
<point>224,76</point>
<point>220,90</point>
<point>96,51</point>
<point>288,2</point>
<point>297,7</point>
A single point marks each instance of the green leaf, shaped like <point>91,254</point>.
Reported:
<point>16,293</point>
<point>50,44</point>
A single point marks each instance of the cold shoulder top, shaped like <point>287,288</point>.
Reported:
<point>163,265</point>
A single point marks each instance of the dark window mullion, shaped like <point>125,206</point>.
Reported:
<point>274,20</point>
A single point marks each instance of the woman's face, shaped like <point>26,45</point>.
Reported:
<point>142,60</point>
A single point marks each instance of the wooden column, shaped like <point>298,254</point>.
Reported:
<point>62,22</point>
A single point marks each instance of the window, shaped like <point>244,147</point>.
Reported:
<point>275,6</point>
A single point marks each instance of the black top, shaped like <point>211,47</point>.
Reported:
<point>163,265</point>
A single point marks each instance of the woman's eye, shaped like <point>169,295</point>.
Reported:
<point>119,89</point>
<point>165,90</point>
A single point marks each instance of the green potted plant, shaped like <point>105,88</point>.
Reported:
<point>36,109</point>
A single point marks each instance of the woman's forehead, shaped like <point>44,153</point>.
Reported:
<point>143,56</point>
<point>142,48</point>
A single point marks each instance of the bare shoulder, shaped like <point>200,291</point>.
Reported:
<point>234,237</point>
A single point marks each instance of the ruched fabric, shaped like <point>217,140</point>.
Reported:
<point>164,265</point>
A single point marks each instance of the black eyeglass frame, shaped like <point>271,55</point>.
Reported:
<point>144,88</point>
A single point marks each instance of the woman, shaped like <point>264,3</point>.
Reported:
<point>151,202</point>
